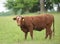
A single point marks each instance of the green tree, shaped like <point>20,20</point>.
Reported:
<point>12,5</point>
<point>48,4</point>
<point>16,5</point>
<point>57,2</point>
<point>42,6</point>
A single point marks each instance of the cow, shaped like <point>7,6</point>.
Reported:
<point>38,23</point>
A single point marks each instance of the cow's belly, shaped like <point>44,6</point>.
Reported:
<point>39,25</point>
<point>38,29</point>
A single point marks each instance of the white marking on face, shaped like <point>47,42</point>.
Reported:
<point>18,20</point>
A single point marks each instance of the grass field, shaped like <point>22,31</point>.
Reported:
<point>10,33</point>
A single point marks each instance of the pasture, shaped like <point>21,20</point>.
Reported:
<point>10,33</point>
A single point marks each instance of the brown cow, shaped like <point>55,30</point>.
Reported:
<point>30,23</point>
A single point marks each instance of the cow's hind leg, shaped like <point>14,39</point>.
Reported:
<point>46,33</point>
<point>50,33</point>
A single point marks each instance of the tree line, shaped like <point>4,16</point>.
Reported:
<point>31,5</point>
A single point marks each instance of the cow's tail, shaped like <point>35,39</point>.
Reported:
<point>53,28</point>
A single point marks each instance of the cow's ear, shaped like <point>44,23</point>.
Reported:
<point>14,18</point>
<point>23,19</point>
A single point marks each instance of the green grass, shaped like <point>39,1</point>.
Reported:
<point>10,33</point>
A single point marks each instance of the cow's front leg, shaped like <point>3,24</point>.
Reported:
<point>26,33</point>
<point>31,32</point>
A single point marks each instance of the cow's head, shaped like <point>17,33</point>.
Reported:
<point>18,19</point>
